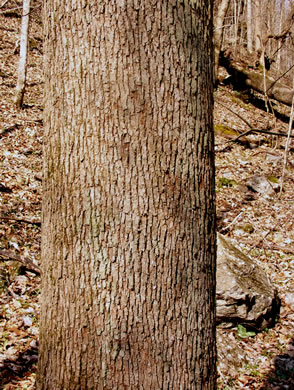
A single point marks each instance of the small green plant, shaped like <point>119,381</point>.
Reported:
<point>225,182</point>
<point>273,179</point>
<point>267,354</point>
<point>244,333</point>
<point>224,130</point>
<point>4,340</point>
<point>253,370</point>
<point>248,228</point>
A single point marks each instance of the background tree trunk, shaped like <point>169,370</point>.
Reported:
<point>280,44</point>
<point>128,246</point>
<point>218,33</point>
<point>258,26</point>
<point>249,27</point>
<point>22,66</point>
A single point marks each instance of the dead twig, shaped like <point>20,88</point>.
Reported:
<point>232,223</point>
<point>3,3</point>
<point>260,243</point>
<point>251,128</point>
<point>280,77</point>
<point>10,11</point>
<point>261,132</point>
<point>28,263</point>
<point>32,222</point>
<point>268,132</point>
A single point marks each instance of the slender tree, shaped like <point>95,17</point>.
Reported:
<point>218,32</point>
<point>22,65</point>
<point>280,30</point>
<point>258,25</point>
<point>128,245</point>
<point>249,27</point>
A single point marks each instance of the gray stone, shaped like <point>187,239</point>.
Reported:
<point>262,185</point>
<point>289,299</point>
<point>244,293</point>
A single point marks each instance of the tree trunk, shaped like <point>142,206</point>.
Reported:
<point>22,66</point>
<point>258,26</point>
<point>236,24</point>
<point>280,44</point>
<point>218,33</point>
<point>128,245</point>
<point>249,27</point>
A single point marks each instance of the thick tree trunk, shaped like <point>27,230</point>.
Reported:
<point>128,247</point>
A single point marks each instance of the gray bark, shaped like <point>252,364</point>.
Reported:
<point>128,246</point>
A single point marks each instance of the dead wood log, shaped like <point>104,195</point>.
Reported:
<point>242,78</point>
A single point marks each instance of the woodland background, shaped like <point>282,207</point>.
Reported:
<point>256,37</point>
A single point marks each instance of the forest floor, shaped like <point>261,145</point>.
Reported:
<point>259,225</point>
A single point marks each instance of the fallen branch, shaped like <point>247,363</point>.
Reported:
<point>11,11</point>
<point>257,131</point>
<point>28,263</point>
<point>32,222</point>
<point>280,77</point>
<point>4,2</point>
<point>262,132</point>
<point>252,130</point>
<point>271,133</point>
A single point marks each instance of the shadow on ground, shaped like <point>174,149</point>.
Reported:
<point>16,369</point>
<point>282,374</point>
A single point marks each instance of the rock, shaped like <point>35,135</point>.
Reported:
<point>244,293</point>
<point>262,185</point>
<point>27,321</point>
<point>273,158</point>
<point>289,299</point>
